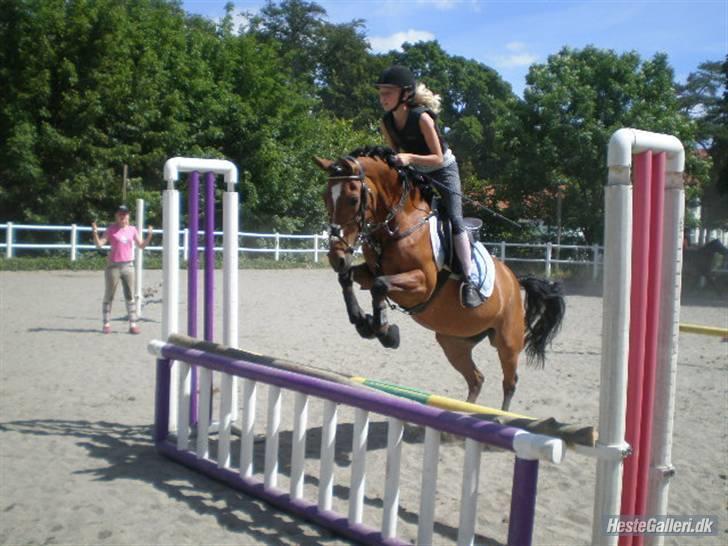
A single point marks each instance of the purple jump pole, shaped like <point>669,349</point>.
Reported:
<point>193,261</point>
<point>523,502</point>
<point>209,255</point>
<point>161,401</point>
<point>209,304</point>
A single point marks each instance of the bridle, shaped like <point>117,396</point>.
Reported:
<point>365,228</point>
<point>336,230</point>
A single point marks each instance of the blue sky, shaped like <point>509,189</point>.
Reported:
<point>510,35</point>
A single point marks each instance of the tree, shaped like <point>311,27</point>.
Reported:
<point>294,27</point>
<point>573,103</point>
<point>704,98</point>
<point>91,85</point>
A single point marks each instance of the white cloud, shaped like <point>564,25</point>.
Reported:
<point>440,4</point>
<point>444,5</point>
<point>515,46</point>
<point>382,44</point>
<point>518,56</point>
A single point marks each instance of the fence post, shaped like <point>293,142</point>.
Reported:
<point>549,247</point>
<point>74,241</point>
<point>278,246</point>
<point>315,248</point>
<point>9,240</point>
<point>139,257</point>
<point>595,257</point>
<point>502,251</point>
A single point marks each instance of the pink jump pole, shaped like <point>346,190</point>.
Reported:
<point>653,312</point>
<point>638,328</point>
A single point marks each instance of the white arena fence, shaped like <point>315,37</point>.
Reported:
<point>77,238</point>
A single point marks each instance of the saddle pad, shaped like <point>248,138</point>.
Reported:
<point>483,268</point>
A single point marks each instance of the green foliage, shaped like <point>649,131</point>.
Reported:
<point>704,98</point>
<point>573,104</point>
<point>89,86</point>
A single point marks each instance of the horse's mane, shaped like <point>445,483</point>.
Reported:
<point>389,156</point>
<point>384,153</point>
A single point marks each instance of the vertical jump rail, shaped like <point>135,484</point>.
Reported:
<point>184,407</point>
<point>632,376</point>
<point>529,448</point>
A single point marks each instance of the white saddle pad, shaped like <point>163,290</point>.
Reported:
<point>482,273</point>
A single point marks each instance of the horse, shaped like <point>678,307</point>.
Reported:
<point>698,262</point>
<point>374,202</point>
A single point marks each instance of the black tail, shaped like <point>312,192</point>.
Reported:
<point>545,309</point>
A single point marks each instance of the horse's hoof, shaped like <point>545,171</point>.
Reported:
<point>365,327</point>
<point>390,339</point>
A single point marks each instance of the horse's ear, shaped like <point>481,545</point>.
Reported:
<point>323,164</point>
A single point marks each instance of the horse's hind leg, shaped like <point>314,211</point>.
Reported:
<point>509,344</point>
<point>459,352</point>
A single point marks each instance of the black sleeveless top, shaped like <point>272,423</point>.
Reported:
<point>410,139</point>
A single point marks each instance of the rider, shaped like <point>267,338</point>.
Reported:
<point>410,128</point>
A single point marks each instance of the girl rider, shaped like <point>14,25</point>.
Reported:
<point>409,127</point>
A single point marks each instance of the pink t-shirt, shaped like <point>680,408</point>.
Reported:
<point>121,240</point>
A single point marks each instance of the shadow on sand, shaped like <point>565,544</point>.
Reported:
<point>129,454</point>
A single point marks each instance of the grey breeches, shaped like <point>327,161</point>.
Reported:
<point>115,272</point>
<point>452,200</point>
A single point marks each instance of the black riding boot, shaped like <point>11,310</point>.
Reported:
<point>469,295</point>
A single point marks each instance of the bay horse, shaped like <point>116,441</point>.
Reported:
<point>373,202</point>
<point>698,262</point>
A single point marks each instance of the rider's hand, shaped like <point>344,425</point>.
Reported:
<point>403,159</point>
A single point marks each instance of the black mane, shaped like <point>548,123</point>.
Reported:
<point>384,153</point>
<point>404,174</point>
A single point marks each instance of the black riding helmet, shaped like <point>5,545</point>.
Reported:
<point>399,76</point>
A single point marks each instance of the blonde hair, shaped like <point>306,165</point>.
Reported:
<point>425,97</point>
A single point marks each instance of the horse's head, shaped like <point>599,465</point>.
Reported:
<point>716,246</point>
<point>347,197</point>
<point>364,195</point>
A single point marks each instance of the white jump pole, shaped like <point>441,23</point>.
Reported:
<point>139,262</point>
<point>170,286</point>
<point>615,323</point>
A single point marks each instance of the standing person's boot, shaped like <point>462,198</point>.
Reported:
<point>469,295</point>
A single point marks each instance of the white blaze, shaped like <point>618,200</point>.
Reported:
<point>335,194</point>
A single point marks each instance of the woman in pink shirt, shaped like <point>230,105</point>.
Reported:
<point>121,238</point>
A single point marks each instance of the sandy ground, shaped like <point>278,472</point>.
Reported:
<point>78,466</point>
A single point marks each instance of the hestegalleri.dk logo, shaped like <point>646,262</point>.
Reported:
<point>695,525</point>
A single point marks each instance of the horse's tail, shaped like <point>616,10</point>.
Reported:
<point>545,309</point>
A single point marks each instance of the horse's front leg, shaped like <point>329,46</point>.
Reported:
<point>362,321</point>
<point>411,282</point>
